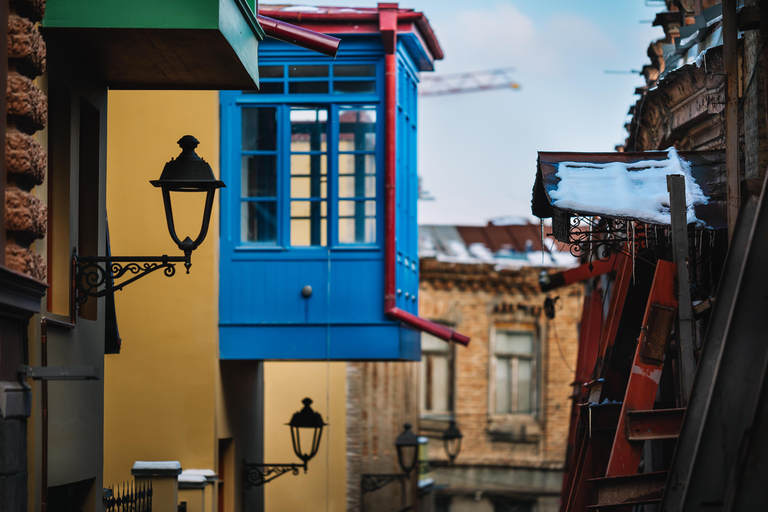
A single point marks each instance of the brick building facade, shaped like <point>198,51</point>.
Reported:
<point>508,459</point>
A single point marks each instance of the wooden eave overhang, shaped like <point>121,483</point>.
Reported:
<point>707,169</point>
<point>147,44</point>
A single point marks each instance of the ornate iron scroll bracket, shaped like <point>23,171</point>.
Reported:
<point>256,475</point>
<point>599,238</point>
<point>370,482</point>
<point>94,276</point>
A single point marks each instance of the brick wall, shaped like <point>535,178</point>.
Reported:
<point>473,299</point>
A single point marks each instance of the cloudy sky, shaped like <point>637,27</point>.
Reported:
<point>477,152</point>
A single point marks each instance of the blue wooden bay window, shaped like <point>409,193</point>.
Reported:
<point>303,158</point>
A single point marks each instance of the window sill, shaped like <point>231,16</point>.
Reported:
<point>434,424</point>
<point>514,428</point>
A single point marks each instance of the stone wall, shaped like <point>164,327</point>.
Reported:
<point>25,161</point>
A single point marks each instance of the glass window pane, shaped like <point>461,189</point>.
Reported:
<point>271,71</point>
<point>440,383</point>
<point>259,176</point>
<point>354,70</point>
<point>524,386</point>
<point>308,87</point>
<point>355,227</point>
<point>308,165</point>
<point>306,232</point>
<point>510,342</point>
<point>503,386</point>
<point>300,209</point>
<point>307,187</point>
<point>307,71</point>
<point>354,87</point>
<point>259,129</point>
<point>308,129</point>
<point>258,222</point>
<point>357,130</point>
<point>431,343</point>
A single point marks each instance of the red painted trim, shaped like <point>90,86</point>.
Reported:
<point>354,22</point>
<point>388,23</point>
<point>581,273</point>
<point>300,36</point>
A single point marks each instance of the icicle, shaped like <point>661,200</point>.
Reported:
<point>633,253</point>
<point>542,241</point>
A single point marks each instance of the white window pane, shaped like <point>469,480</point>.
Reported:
<point>431,343</point>
<point>503,386</point>
<point>524,386</point>
<point>440,383</point>
<point>510,342</point>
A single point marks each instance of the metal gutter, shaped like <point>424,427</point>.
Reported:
<point>305,38</point>
<point>388,27</point>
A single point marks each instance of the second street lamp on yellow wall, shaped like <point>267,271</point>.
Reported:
<point>306,433</point>
<point>95,275</point>
<point>452,441</point>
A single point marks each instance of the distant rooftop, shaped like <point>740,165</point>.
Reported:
<point>507,243</point>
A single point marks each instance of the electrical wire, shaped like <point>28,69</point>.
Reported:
<point>560,348</point>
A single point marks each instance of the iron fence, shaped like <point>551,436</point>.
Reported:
<point>129,497</point>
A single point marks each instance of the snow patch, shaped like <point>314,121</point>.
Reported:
<point>701,59</point>
<point>636,190</point>
<point>156,464</point>
<point>195,479</point>
<point>481,252</point>
<point>201,472</point>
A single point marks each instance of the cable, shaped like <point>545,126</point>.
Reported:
<point>562,355</point>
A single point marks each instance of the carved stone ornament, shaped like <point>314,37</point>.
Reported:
<point>25,262</point>
<point>27,105</point>
<point>25,215</point>
<point>26,48</point>
<point>32,9</point>
<point>25,160</point>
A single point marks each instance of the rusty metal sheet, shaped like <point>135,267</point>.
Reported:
<point>661,319</point>
<point>654,424</point>
<point>629,490</point>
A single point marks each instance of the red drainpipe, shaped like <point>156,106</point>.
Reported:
<point>388,13</point>
<point>309,39</point>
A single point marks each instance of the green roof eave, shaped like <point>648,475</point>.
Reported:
<point>154,44</point>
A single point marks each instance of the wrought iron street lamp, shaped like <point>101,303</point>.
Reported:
<point>407,445</point>
<point>452,441</point>
<point>95,275</point>
<point>307,431</point>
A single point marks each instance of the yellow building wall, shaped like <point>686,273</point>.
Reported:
<point>159,392</point>
<point>286,384</point>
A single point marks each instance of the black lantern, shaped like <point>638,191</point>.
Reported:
<point>306,431</point>
<point>188,173</point>
<point>95,276</point>
<point>407,445</point>
<point>452,441</point>
<point>306,424</point>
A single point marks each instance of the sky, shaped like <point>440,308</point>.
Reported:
<point>477,151</point>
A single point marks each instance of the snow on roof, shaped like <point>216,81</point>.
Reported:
<point>636,190</point>
<point>203,472</point>
<point>300,8</point>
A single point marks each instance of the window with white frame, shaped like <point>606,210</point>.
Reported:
<point>436,376</point>
<point>514,362</point>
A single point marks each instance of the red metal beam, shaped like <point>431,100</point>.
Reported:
<point>309,39</point>
<point>654,424</point>
<point>615,308</point>
<point>646,369</point>
<point>581,273</point>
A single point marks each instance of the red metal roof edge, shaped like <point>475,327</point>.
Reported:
<point>330,15</point>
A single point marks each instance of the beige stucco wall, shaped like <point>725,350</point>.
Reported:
<point>160,390</point>
<point>324,485</point>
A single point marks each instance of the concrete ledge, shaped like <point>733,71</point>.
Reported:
<point>156,468</point>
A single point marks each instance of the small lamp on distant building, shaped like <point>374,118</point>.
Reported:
<point>407,445</point>
<point>452,441</point>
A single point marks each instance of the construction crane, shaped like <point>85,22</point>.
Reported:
<point>473,81</point>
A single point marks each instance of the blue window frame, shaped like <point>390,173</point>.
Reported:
<point>310,157</point>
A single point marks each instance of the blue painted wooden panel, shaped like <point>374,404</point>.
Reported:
<point>387,341</point>
<point>263,314</point>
